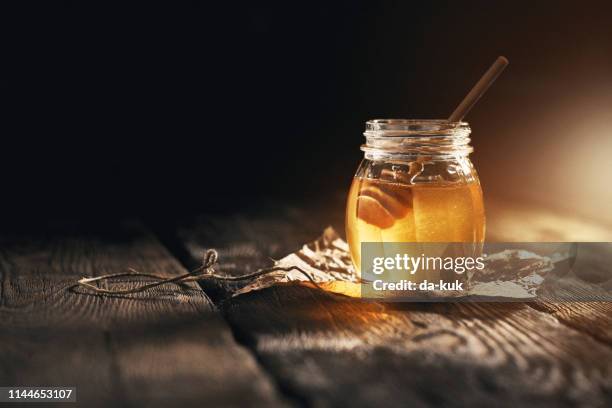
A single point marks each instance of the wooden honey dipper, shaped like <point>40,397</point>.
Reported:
<point>381,204</point>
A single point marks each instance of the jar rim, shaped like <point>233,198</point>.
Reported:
<point>402,137</point>
<point>416,127</point>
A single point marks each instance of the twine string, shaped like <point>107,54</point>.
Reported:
<point>202,272</point>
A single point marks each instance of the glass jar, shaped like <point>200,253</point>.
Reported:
<point>416,183</point>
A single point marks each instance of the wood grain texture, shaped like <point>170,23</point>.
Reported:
<point>331,350</point>
<point>163,347</point>
<point>510,222</point>
<point>592,318</point>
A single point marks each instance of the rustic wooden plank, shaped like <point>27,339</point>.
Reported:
<point>593,318</point>
<point>167,346</point>
<point>509,221</point>
<point>332,350</point>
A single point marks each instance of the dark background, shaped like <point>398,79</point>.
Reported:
<point>158,110</point>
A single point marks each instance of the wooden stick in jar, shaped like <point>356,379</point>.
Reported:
<point>479,89</point>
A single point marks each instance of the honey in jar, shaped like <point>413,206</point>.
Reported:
<point>415,184</point>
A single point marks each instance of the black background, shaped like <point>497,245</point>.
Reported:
<point>160,109</point>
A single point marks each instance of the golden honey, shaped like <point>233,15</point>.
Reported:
<point>386,211</point>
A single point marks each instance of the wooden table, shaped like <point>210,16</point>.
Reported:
<point>184,345</point>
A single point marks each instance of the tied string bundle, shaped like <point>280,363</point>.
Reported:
<point>204,271</point>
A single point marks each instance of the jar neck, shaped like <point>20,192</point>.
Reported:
<point>406,139</point>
